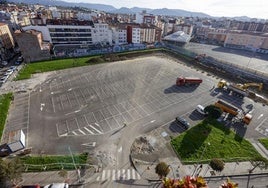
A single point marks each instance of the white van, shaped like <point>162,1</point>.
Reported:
<point>200,109</point>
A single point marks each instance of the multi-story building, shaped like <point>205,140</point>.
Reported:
<point>147,33</point>
<point>119,34</point>
<point>70,32</point>
<point>6,42</point>
<point>217,35</point>
<point>32,46</point>
<point>133,34</point>
<point>102,34</point>
<point>186,28</point>
<point>247,40</point>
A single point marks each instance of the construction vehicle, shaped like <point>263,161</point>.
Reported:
<point>228,108</point>
<point>247,85</point>
<point>181,81</point>
<point>234,89</point>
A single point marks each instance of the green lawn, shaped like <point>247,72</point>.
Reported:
<point>264,142</point>
<point>37,163</point>
<point>4,106</point>
<point>209,140</point>
<point>46,66</point>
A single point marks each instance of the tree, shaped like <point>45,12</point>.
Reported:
<point>217,164</point>
<point>64,174</point>
<point>260,162</point>
<point>10,171</point>
<point>162,169</point>
<point>213,111</point>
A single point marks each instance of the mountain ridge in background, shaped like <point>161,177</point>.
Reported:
<point>122,10</point>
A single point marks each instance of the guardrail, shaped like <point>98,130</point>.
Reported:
<point>56,166</point>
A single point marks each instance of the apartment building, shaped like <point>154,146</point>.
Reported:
<point>102,34</point>
<point>6,42</point>
<point>119,34</point>
<point>247,41</point>
<point>216,35</point>
<point>32,46</point>
<point>147,33</point>
<point>133,34</point>
<point>186,28</point>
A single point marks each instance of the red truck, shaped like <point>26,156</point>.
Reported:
<point>181,81</point>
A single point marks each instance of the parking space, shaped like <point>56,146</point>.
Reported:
<point>96,100</point>
<point>19,118</point>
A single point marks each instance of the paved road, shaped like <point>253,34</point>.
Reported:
<point>243,58</point>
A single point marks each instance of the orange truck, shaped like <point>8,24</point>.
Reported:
<point>228,108</point>
<point>181,81</point>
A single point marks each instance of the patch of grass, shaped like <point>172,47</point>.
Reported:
<point>264,142</point>
<point>46,66</point>
<point>58,162</point>
<point>209,140</point>
<point>4,106</point>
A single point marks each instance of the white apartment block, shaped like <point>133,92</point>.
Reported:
<point>102,34</point>
<point>119,35</point>
<point>136,37</point>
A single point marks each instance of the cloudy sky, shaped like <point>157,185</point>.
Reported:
<point>250,8</point>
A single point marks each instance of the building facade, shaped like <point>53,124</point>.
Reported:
<point>32,46</point>
<point>7,43</point>
<point>247,41</point>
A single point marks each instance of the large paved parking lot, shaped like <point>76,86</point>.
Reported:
<point>78,107</point>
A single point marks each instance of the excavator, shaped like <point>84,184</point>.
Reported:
<point>241,90</point>
<point>247,85</point>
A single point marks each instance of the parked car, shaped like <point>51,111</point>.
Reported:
<point>13,68</point>
<point>57,185</point>
<point>7,74</point>
<point>185,124</point>
<point>3,79</point>
<point>201,109</point>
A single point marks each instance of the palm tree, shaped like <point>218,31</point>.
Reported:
<point>162,169</point>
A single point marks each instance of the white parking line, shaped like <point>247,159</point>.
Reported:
<point>128,174</point>
<point>113,177</point>
<point>88,130</point>
<point>133,174</point>
<point>81,132</point>
<point>74,133</point>
<point>118,174</point>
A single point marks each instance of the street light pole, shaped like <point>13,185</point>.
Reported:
<point>201,157</point>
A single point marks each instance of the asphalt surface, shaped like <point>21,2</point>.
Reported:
<point>247,59</point>
<point>103,108</point>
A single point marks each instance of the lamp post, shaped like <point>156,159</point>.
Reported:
<point>201,157</point>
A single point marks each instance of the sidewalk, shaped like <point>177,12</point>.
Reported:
<point>48,177</point>
<point>145,160</point>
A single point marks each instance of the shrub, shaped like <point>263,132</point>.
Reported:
<point>217,164</point>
